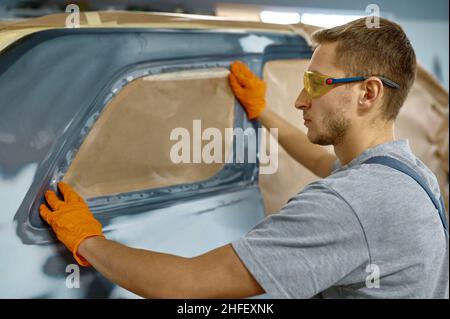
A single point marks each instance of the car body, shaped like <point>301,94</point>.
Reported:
<point>55,84</point>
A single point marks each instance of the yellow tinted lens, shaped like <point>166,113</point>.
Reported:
<point>315,84</point>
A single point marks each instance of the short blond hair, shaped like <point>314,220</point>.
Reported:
<point>382,51</point>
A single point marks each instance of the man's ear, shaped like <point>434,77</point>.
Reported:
<point>372,91</point>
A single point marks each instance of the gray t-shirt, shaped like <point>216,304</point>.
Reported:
<point>365,231</point>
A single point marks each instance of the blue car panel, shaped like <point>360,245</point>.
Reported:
<point>53,86</point>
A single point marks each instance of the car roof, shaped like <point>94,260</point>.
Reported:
<point>13,31</point>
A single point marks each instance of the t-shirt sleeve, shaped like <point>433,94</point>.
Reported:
<point>315,241</point>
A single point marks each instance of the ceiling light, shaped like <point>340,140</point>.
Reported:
<point>279,17</point>
<point>327,20</point>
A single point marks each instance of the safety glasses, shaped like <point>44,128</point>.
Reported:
<point>317,84</point>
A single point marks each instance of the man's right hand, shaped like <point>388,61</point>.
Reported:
<point>248,89</point>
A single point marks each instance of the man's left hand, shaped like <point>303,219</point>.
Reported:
<point>71,219</point>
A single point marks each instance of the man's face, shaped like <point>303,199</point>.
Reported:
<point>329,117</point>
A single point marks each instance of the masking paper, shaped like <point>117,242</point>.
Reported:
<point>129,147</point>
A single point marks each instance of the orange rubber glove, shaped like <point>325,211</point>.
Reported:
<point>248,89</point>
<point>71,219</point>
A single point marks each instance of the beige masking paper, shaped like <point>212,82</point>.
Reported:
<point>129,147</point>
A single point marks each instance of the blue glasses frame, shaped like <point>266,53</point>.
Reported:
<point>386,81</point>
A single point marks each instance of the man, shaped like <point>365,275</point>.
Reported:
<point>363,231</point>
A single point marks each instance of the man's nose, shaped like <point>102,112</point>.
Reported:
<point>303,101</point>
